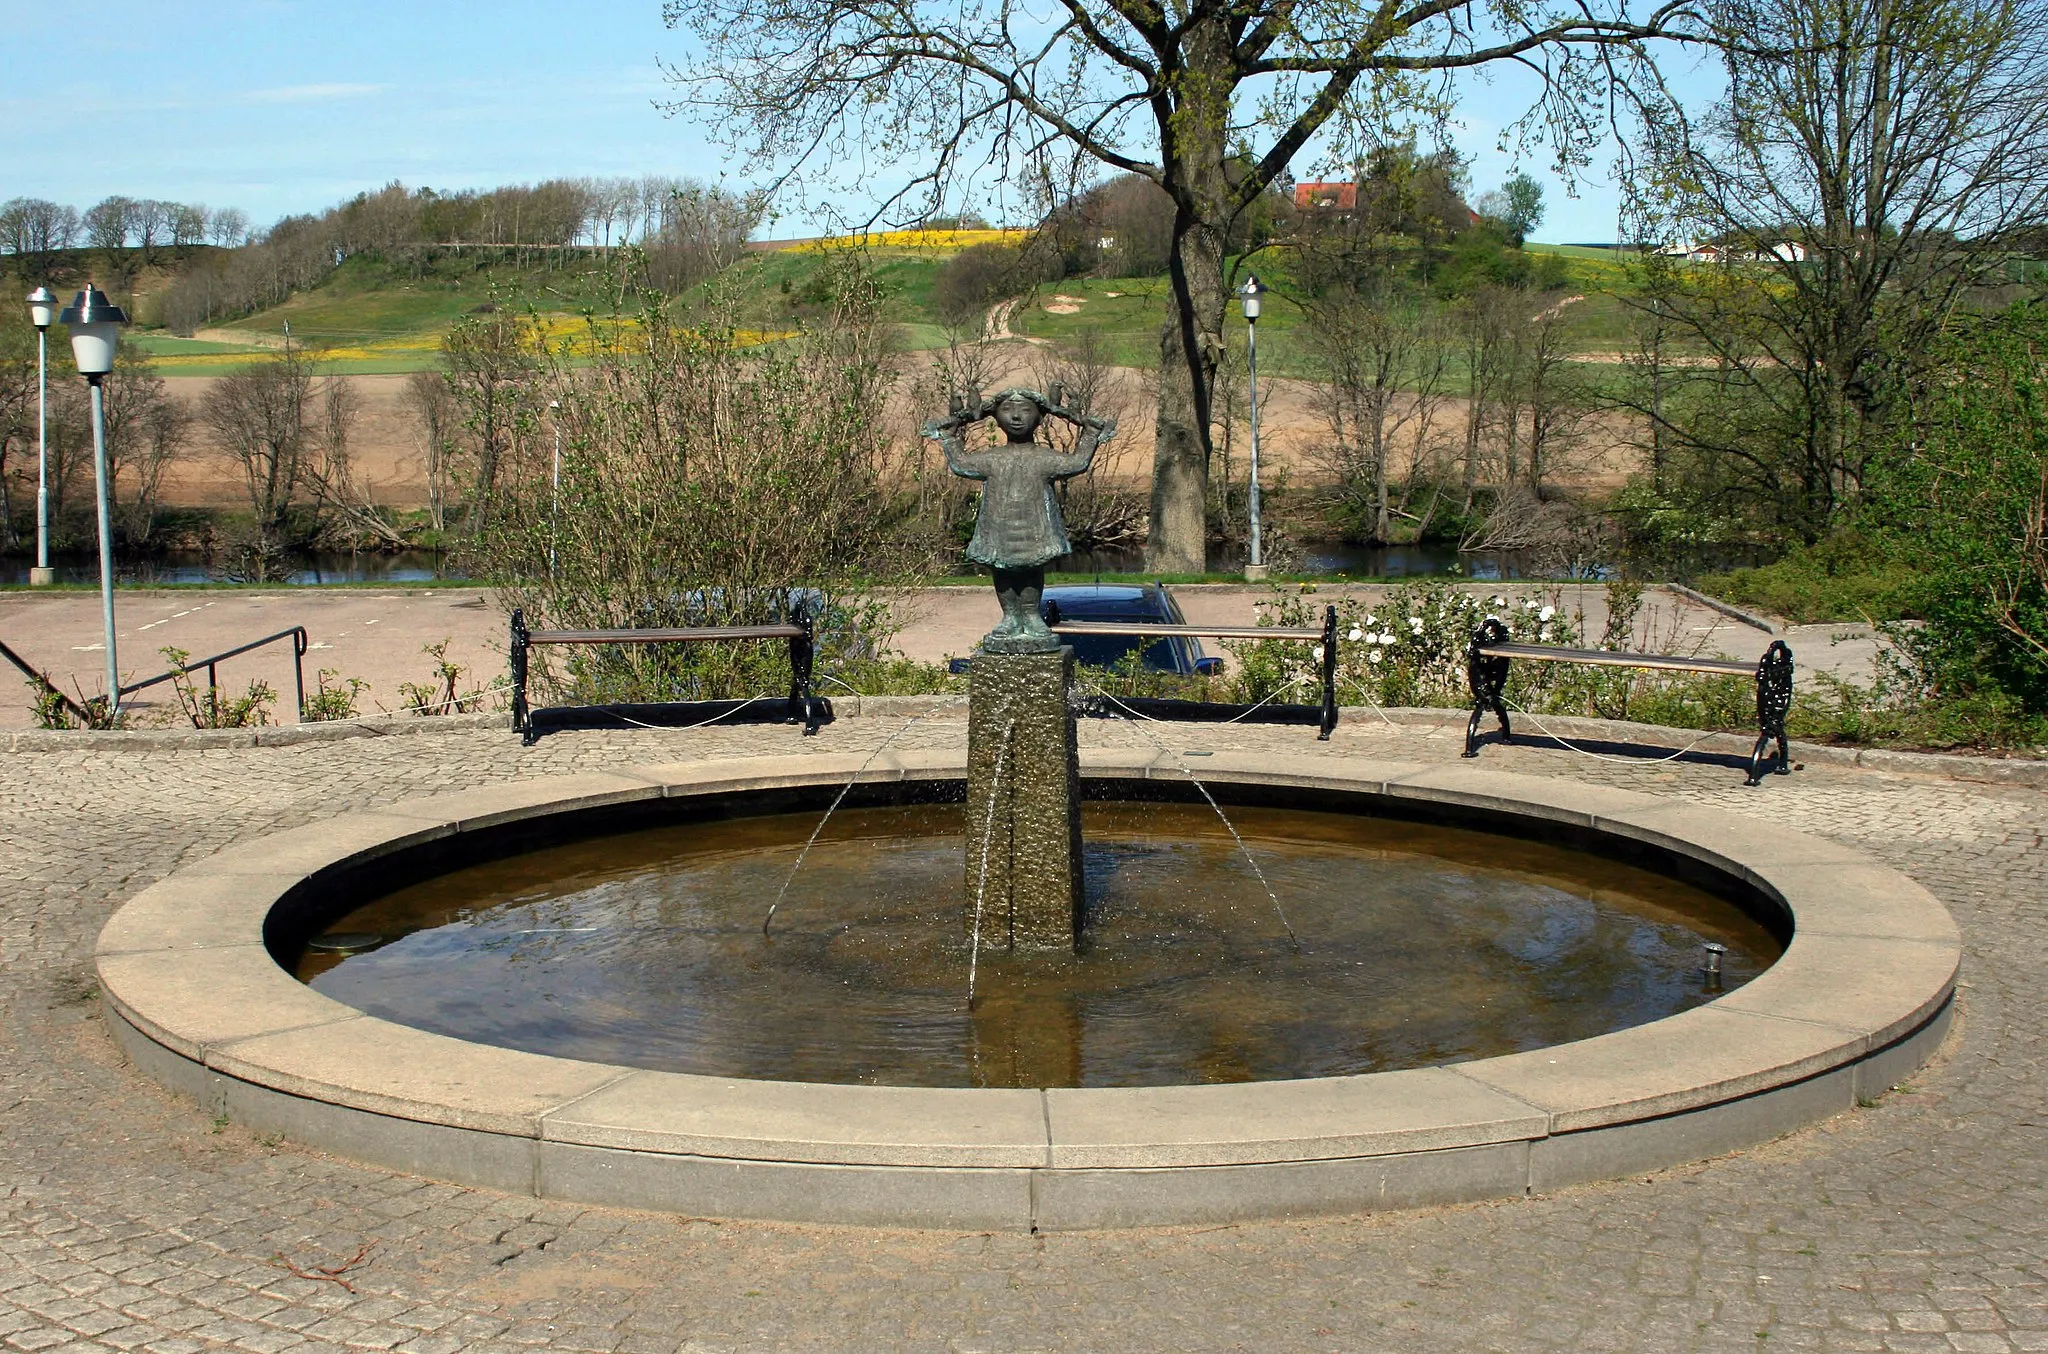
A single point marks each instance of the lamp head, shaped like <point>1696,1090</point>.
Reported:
<point>42,308</point>
<point>95,322</point>
<point>1249,294</point>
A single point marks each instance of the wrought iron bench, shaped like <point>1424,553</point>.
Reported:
<point>1488,656</point>
<point>1324,715</point>
<point>802,707</point>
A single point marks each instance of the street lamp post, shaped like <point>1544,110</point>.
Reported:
<point>1249,294</point>
<point>95,322</point>
<point>42,310</point>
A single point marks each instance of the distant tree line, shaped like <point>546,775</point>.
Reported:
<point>684,229</point>
<point>34,231</point>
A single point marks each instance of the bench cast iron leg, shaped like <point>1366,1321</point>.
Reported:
<point>1488,678</point>
<point>1773,704</point>
<point>803,705</point>
<point>521,715</point>
<point>1329,674</point>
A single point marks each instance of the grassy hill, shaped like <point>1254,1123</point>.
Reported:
<point>370,317</point>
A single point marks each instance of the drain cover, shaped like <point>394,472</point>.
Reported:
<point>345,942</point>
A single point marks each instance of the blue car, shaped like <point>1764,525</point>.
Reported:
<point>1123,603</point>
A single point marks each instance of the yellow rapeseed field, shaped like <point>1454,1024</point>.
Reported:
<point>917,239</point>
<point>564,332</point>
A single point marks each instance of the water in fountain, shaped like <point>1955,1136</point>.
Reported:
<point>1431,944</point>
<point>839,799</point>
<point>1188,771</point>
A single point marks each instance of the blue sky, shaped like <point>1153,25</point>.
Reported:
<point>277,107</point>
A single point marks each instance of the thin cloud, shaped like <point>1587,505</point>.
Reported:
<point>326,93</point>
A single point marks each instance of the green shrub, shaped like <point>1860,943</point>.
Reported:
<point>330,703</point>
<point>213,708</point>
<point>1966,493</point>
<point>1848,576</point>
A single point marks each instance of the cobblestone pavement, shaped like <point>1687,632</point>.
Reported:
<point>129,1221</point>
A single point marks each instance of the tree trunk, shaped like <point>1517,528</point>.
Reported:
<point>1189,344</point>
<point>1193,141</point>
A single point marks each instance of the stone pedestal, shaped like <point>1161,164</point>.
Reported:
<point>41,578</point>
<point>1026,821</point>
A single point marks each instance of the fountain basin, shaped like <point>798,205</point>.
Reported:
<point>1860,997</point>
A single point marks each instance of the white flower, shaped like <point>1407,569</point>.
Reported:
<point>1372,620</point>
<point>1375,655</point>
<point>1356,633</point>
<point>1499,600</point>
<point>1318,653</point>
<point>1546,613</point>
<point>1415,624</point>
<point>1387,639</point>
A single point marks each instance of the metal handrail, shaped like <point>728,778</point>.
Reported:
<point>297,635</point>
<point>803,706</point>
<point>77,712</point>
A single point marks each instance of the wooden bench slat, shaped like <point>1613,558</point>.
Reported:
<point>1203,631</point>
<point>1544,653</point>
<point>688,635</point>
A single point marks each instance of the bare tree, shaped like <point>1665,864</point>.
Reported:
<point>1101,507</point>
<point>330,473</point>
<point>437,422</point>
<point>152,225</point>
<point>704,230</point>
<point>1212,101</point>
<point>258,415</point>
<point>1555,399</point>
<point>108,224</point>
<point>1384,369</point>
<point>1863,172</point>
<point>17,413</point>
<point>229,227</point>
<point>33,228</point>
<point>147,429</point>
<point>489,364</point>
<point>188,225</point>
<point>1483,325</point>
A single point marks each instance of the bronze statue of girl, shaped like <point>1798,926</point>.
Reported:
<point>1019,528</point>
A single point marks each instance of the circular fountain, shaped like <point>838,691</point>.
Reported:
<point>1193,1067</point>
<point>531,987</point>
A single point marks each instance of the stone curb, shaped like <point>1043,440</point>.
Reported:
<point>1858,1000</point>
<point>265,736</point>
<point>1728,609</point>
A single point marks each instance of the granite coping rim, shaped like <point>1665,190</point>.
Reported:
<point>1522,1098</point>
